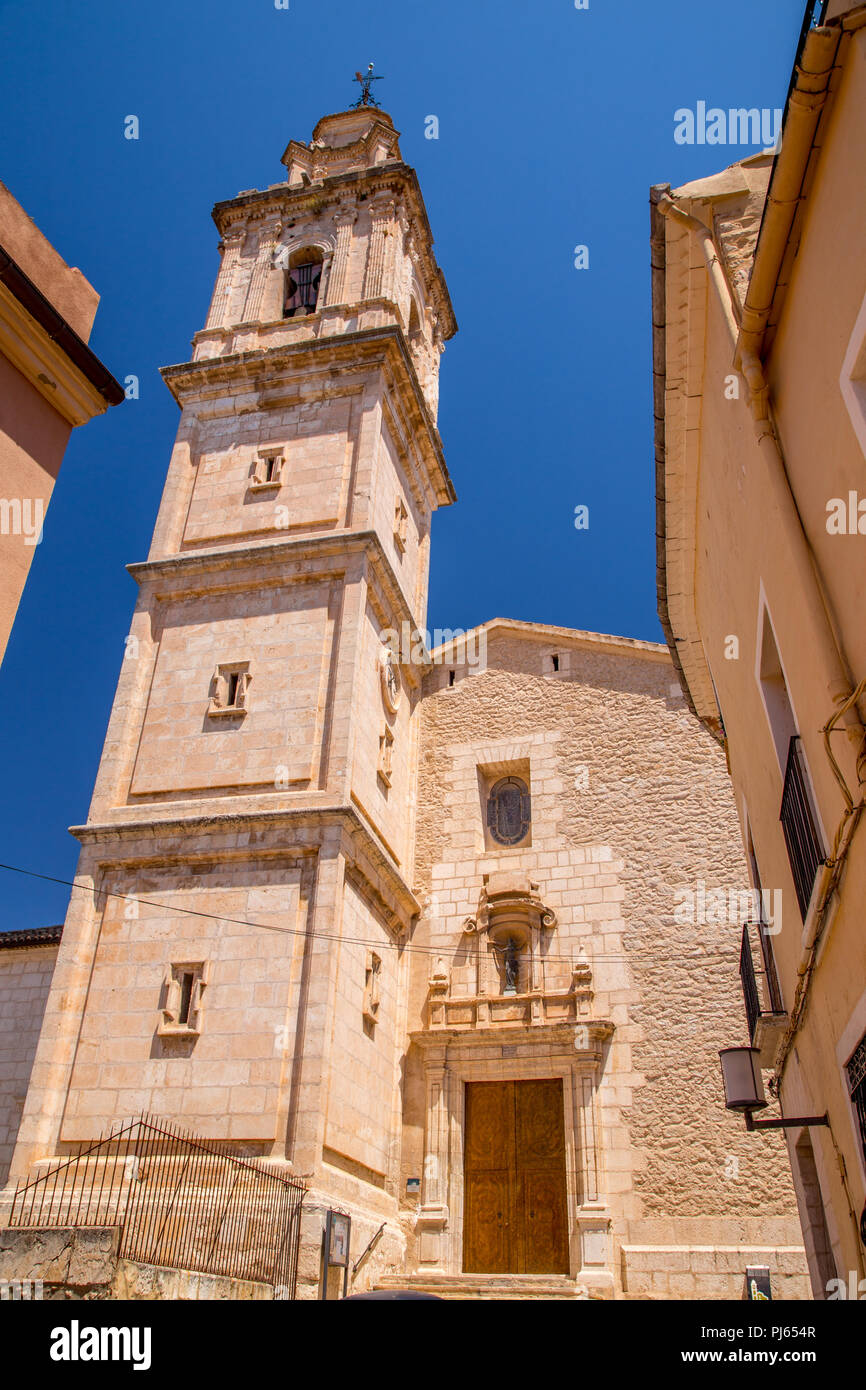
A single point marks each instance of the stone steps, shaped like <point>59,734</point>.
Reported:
<point>487,1286</point>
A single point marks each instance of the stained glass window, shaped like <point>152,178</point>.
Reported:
<point>508,811</point>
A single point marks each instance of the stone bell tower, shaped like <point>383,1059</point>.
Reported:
<point>233,951</point>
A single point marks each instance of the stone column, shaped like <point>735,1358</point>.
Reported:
<point>432,1216</point>
<point>264,264</point>
<point>338,282</point>
<point>381,242</point>
<point>403,289</point>
<point>585,1133</point>
<point>231,250</point>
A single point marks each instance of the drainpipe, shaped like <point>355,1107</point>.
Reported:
<point>668,208</point>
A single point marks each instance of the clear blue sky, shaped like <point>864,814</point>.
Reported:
<point>553,123</point>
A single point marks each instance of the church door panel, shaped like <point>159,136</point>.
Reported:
<point>540,1146</point>
<point>544,1225</point>
<point>488,1169</point>
<point>515,1213</point>
<point>489,1131</point>
<point>486,1225</point>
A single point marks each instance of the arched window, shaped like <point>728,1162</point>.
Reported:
<point>302,282</point>
<point>508,811</point>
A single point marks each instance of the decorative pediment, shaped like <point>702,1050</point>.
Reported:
<point>349,140</point>
<point>509,902</point>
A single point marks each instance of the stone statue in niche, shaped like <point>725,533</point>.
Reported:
<point>510,955</point>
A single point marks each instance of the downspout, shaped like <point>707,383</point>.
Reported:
<point>657,248</point>
<point>668,208</point>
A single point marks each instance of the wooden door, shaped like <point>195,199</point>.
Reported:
<point>514,1212</point>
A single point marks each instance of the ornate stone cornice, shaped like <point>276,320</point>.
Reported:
<point>192,565</point>
<point>598,1032</point>
<point>509,890</point>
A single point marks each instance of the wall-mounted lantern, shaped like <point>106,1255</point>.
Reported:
<point>744,1089</point>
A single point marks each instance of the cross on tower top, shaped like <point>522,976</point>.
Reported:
<point>366,98</point>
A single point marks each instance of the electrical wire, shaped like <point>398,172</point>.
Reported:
<point>663,953</point>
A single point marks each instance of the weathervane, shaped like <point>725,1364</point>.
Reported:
<point>366,98</point>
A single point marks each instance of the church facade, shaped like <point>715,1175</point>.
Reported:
<point>427,929</point>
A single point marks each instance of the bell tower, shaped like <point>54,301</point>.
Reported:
<point>233,953</point>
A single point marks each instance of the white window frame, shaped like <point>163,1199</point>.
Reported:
<point>852,377</point>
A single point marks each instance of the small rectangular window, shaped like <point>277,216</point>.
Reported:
<point>371,987</point>
<point>186,987</point>
<point>386,751</point>
<point>267,470</point>
<point>183,989</point>
<point>229,689</point>
<point>401,517</point>
<point>556,663</point>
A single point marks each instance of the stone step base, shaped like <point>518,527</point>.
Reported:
<point>487,1286</point>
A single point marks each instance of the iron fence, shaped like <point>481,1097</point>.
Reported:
<point>179,1201</point>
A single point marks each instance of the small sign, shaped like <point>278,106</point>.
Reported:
<point>413,1185</point>
<point>758,1284</point>
<point>338,1250</point>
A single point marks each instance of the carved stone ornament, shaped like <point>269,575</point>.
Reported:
<point>502,895</point>
<point>389,675</point>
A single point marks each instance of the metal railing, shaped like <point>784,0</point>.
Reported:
<point>798,823</point>
<point>302,289</point>
<point>178,1201</point>
<point>761,993</point>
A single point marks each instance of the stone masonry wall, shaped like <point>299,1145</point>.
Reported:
<point>626,767</point>
<point>25,978</point>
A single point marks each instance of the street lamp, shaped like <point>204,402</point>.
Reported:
<point>744,1089</point>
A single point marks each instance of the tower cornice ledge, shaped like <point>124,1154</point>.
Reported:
<point>230,558</point>
<point>189,381</point>
<point>369,856</point>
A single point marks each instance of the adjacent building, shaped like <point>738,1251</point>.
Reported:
<point>50,381</point>
<point>27,961</point>
<point>759,316</point>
